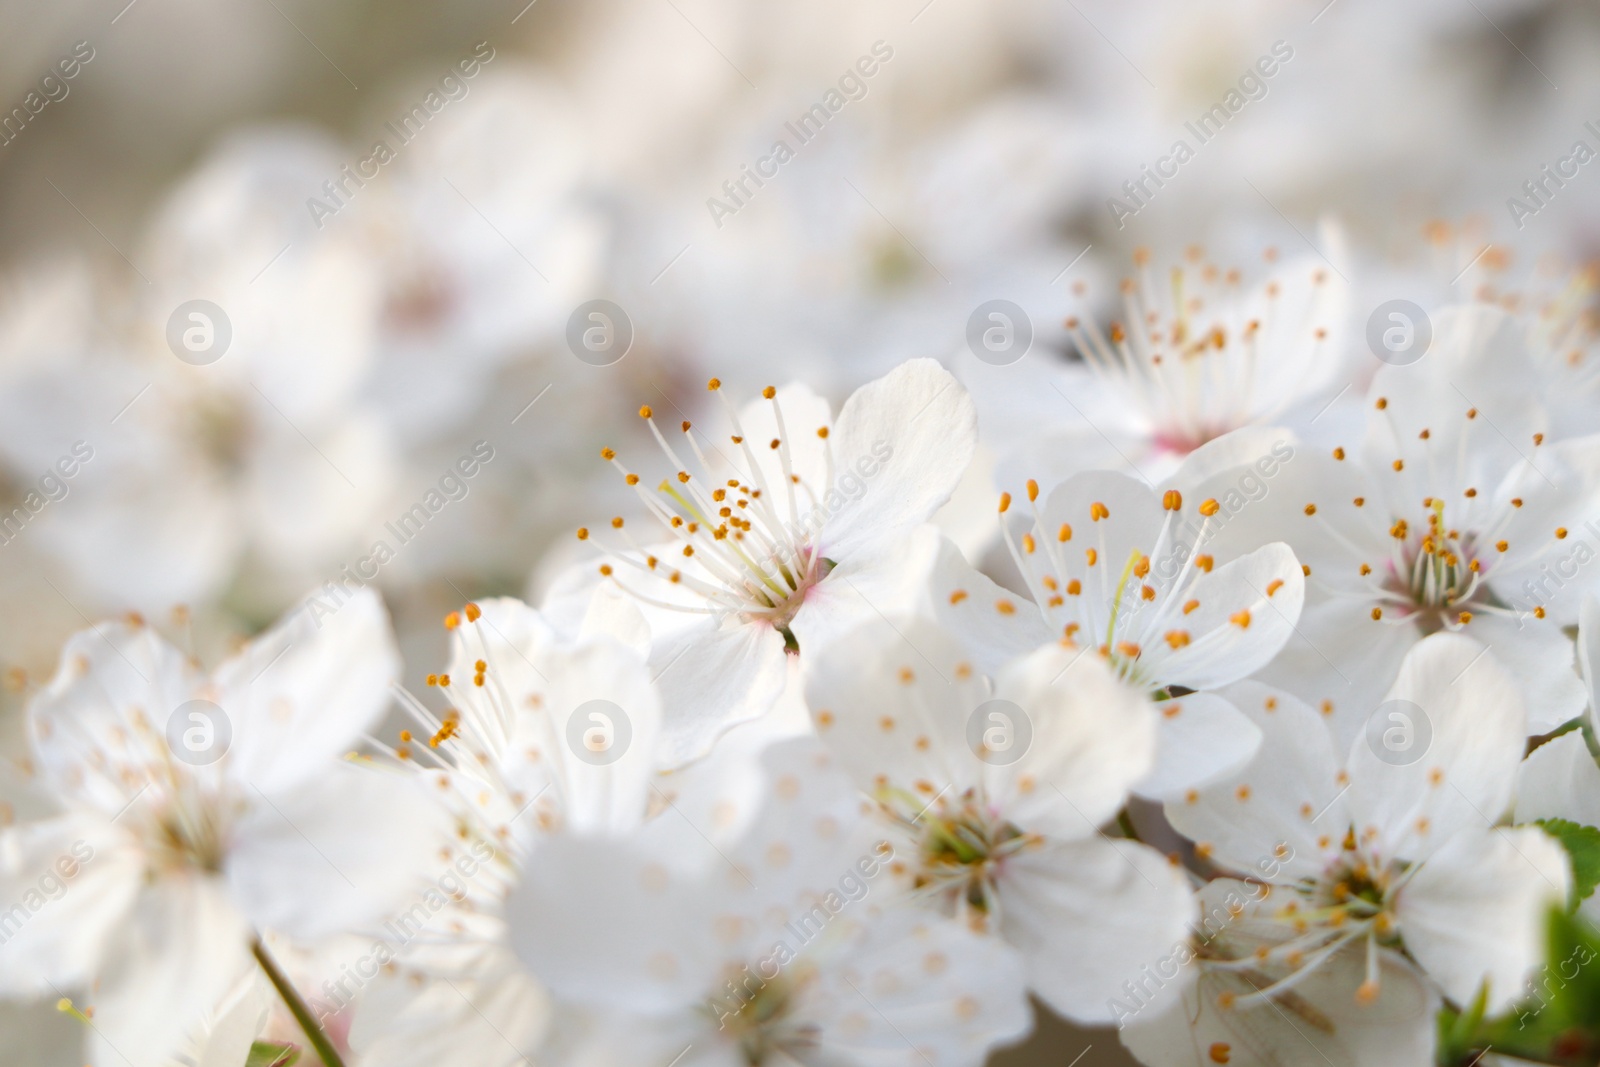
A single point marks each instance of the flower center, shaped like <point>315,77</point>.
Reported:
<point>961,845</point>
<point>1353,886</point>
<point>222,429</point>
<point>1440,573</point>
<point>742,535</point>
<point>421,302</point>
<point>1436,577</point>
<point>764,1022</point>
<point>1131,606</point>
<point>189,832</point>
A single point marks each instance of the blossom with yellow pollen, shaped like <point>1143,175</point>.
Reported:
<point>202,811</point>
<point>1197,351</point>
<point>1384,851</point>
<point>1456,512</point>
<point>777,535</point>
<point>766,935</point>
<point>994,797</point>
<point>1129,572</point>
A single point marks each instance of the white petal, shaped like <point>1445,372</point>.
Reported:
<point>180,952</point>
<point>602,797</point>
<point>602,922</point>
<point>357,847</point>
<point>1088,915</point>
<point>613,613</point>
<point>1247,612</point>
<point>117,686</point>
<point>1079,446</point>
<point>1092,738</point>
<point>804,413</point>
<point>954,995</point>
<point>711,677</point>
<point>1557,485</point>
<point>892,703</point>
<point>1589,654</point>
<point>809,831</point>
<point>1225,460</point>
<point>1267,821</point>
<point>1114,437</point>
<point>915,429</point>
<point>1202,737</point>
<point>1559,780</point>
<point>1317,663</point>
<point>1540,657</point>
<point>507,636</point>
<point>1477,359</point>
<point>1472,730</point>
<point>877,581</point>
<point>1477,910</point>
<point>302,694</point>
<point>65,886</point>
<point>1256,508</point>
<point>1131,524</point>
<point>494,1019</point>
<point>994,624</point>
<point>238,1022</point>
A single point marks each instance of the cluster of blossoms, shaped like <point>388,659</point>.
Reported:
<point>1243,733</point>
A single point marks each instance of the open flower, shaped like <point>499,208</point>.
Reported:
<point>517,748</point>
<point>546,731</point>
<point>1198,353</point>
<point>1456,513</point>
<point>1392,847</point>
<point>781,535</point>
<point>1239,948</point>
<point>760,936</point>
<point>1114,565</point>
<point>196,809</point>
<point>994,799</point>
<point>263,458</point>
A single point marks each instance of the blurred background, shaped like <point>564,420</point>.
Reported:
<point>275,274</point>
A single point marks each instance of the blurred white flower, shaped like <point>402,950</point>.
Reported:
<point>197,810</point>
<point>226,432</point>
<point>868,248</point>
<point>484,243</point>
<point>765,946</point>
<point>995,799</point>
<point>1197,352</point>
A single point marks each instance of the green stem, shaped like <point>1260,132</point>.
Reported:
<point>297,1006</point>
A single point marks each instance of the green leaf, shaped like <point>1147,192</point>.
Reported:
<point>266,1054</point>
<point>1557,1019</point>
<point>1583,846</point>
<point>1571,978</point>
